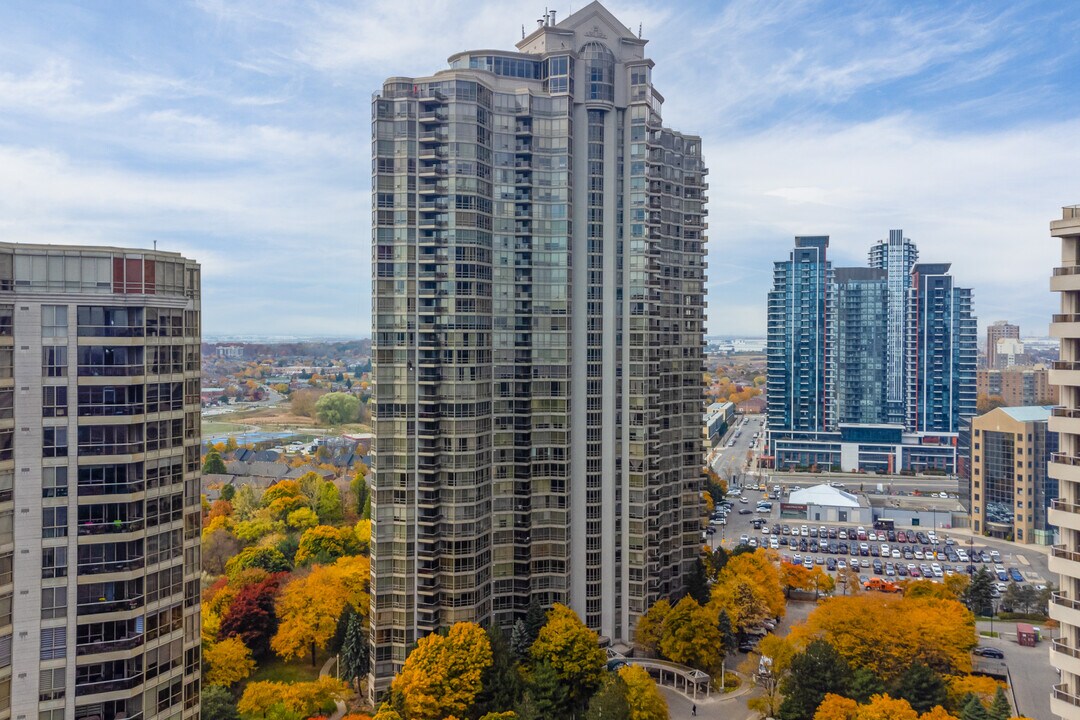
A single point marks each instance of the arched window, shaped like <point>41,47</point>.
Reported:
<point>600,71</point>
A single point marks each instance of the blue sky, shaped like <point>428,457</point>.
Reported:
<point>238,132</point>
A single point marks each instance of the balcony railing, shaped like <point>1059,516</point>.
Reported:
<point>1059,551</point>
<point>1063,459</point>
<point>106,646</point>
<point>1065,317</point>
<point>1061,693</point>
<point>1062,647</point>
<point>114,526</point>
<point>105,606</point>
<point>1059,504</point>
<point>1065,365</point>
<point>104,686</point>
<point>1060,598</point>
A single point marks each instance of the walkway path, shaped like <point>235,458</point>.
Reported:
<point>327,670</point>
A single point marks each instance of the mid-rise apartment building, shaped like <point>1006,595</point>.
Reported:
<point>1017,386</point>
<point>538,272</point>
<point>869,368</point>
<point>99,483</point>
<point>1010,488</point>
<point>1065,468</point>
<point>999,330</point>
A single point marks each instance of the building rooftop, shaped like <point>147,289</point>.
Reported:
<point>824,495</point>
<point>1030,413</point>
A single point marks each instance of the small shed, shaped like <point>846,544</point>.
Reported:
<point>1026,635</point>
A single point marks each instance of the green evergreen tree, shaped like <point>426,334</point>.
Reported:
<point>697,585</point>
<point>609,702</point>
<point>817,670</point>
<point>973,709</point>
<point>535,619</point>
<point>218,704</point>
<point>228,492</point>
<point>864,684</point>
<point>213,465</point>
<point>519,641</point>
<point>500,682</point>
<point>354,650</point>
<point>979,595</point>
<point>728,639</point>
<point>366,514</point>
<point>922,687</point>
<point>549,695</point>
<point>1000,708</point>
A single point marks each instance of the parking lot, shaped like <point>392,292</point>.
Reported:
<point>890,554</point>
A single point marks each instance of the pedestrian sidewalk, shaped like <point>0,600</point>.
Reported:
<point>327,669</point>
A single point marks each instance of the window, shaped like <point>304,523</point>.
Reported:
<point>53,602</point>
<point>7,313</point>
<point>54,321</point>
<point>54,522</point>
<point>53,564</point>
<point>54,482</point>
<point>51,714</point>
<point>6,362</point>
<point>5,610</point>
<point>5,655</point>
<point>7,404</point>
<point>54,442</point>
<point>54,643</point>
<point>7,444</point>
<point>54,400</point>
<point>7,485</point>
<point>51,686</point>
<point>54,361</point>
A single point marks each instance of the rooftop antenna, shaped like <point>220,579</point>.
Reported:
<point>522,31</point>
<point>639,31</point>
<point>155,244</point>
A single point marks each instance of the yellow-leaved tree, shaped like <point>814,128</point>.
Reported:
<point>309,607</point>
<point>886,634</point>
<point>573,651</point>
<point>228,661</point>
<point>650,626</point>
<point>690,636</point>
<point>642,696</point>
<point>441,676</point>
<point>302,698</point>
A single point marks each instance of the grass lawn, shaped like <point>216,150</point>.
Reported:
<point>296,670</point>
<point>209,427</point>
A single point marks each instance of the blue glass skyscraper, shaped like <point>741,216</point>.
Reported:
<point>896,256</point>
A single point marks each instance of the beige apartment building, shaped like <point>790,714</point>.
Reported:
<point>1010,489</point>
<point>99,484</point>
<point>538,319</point>
<point>1065,468</point>
<point>999,330</point>
<point>1018,386</point>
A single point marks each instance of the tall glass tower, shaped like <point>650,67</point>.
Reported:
<point>800,369</point>
<point>538,277</point>
<point>896,256</point>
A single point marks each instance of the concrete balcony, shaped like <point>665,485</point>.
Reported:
<point>1065,420</point>
<point>1064,703</point>
<point>1064,561</point>
<point>1064,610</point>
<point>1064,514</point>
<point>1065,278</point>
<point>1064,657</point>
<point>1064,326</point>
<point>1064,467</point>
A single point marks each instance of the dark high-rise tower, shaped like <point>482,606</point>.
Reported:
<point>538,273</point>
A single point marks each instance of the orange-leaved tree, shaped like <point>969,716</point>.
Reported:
<point>309,607</point>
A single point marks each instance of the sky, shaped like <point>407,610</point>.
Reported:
<point>237,132</point>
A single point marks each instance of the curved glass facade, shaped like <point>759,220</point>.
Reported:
<point>600,71</point>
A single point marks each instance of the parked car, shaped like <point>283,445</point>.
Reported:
<point>989,652</point>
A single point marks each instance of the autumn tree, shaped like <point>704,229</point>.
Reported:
<point>441,676</point>
<point>959,687</point>
<point>795,577</point>
<point>886,634</point>
<point>741,601</point>
<point>251,615</point>
<point>265,558</point>
<point>218,546</point>
<point>690,636</point>
<point>325,544</point>
<point>302,402</point>
<point>650,626</point>
<point>228,662</point>
<point>301,699</point>
<point>758,571</point>
<point>337,408</point>
<point>642,695</point>
<point>308,608</point>
<point>836,707</point>
<point>573,651</point>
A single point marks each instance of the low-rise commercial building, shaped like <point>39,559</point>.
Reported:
<point>826,503</point>
<point>1017,386</point>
